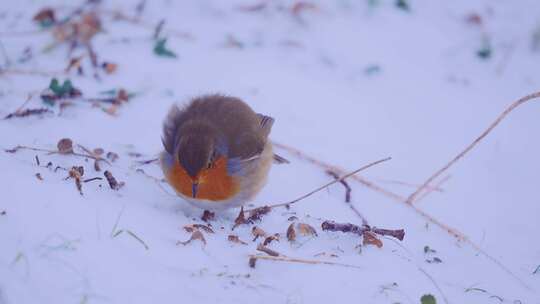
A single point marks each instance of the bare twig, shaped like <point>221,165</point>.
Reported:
<point>253,258</point>
<point>267,250</point>
<point>450,230</point>
<point>92,179</point>
<point>28,112</point>
<point>411,185</point>
<point>148,161</point>
<point>20,147</point>
<point>333,226</point>
<point>329,184</point>
<point>326,166</point>
<point>348,197</point>
<point>344,183</point>
<point>412,197</point>
<point>433,189</point>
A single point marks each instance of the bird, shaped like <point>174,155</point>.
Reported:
<point>217,154</point>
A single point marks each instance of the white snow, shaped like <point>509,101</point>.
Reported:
<point>431,97</point>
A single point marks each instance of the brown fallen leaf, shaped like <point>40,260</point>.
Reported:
<point>301,6</point>
<point>74,62</point>
<point>240,219</point>
<point>234,238</point>
<point>193,227</point>
<point>109,67</point>
<point>76,172</point>
<point>208,216</point>
<point>252,262</point>
<point>196,235</point>
<point>112,156</point>
<point>45,16</point>
<point>113,183</point>
<point>98,151</point>
<point>257,213</point>
<point>371,239</point>
<point>306,229</point>
<point>257,232</point>
<point>65,146</point>
<point>271,238</point>
<point>291,234</point>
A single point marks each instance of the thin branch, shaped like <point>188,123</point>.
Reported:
<point>433,189</point>
<point>329,184</point>
<point>348,197</point>
<point>411,185</point>
<point>301,261</point>
<point>412,197</point>
<point>326,166</point>
<point>97,158</point>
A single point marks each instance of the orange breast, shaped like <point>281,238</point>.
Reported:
<point>214,183</point>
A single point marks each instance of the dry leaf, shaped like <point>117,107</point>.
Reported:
<point>252,262</point>
<point>45,17</point>
<point>76,172</point>
<point>65,146</point>
<point>371,239</point>
<point>306,229</point>
<point>112,156</point>
<point>291,234</point>
<point>196,235</point>
<point>271,238</point>
<point>301,6</point>
<point>98,151</point>
<point>88,26</point>
<point>240,219</point>
<point>257,232</point>
<point>109,67</point>
<point>208,216</point>
<point>122,96</point>
<point>38,175</point>
<point>193,227</point>
<point>234,238</point>
<point>113,183</point>
<point>257,213</point>
<point>74,63</point>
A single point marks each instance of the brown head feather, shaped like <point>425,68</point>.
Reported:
<point>192,132</point>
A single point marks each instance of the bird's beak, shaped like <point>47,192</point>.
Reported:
<point>194,188</point>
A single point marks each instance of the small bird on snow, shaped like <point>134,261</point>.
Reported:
<point>217,152</point>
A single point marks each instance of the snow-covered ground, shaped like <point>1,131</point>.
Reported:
<point>348,82</point>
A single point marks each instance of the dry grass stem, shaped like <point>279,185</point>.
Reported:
<point>522,100</point>
<point>329,184</point>
<point>296,260</point>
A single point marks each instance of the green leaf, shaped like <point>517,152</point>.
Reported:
<point>428,299</point>
<point>160,49</point>
<point>60,90</point>
<point>67,86</point>
<point>55,86</point>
